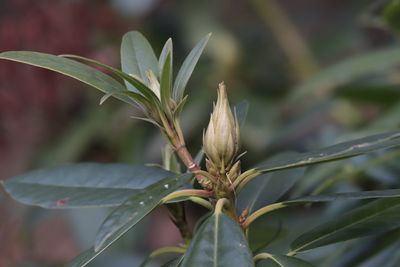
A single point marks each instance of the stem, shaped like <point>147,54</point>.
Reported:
<point>262,256</point>
<point>201,202</point>
<point>255,215</point>
<point>244,178</point>
<point>178,217</point>
<point>187,193</point>
<point>220,204</point>
<point>164,250</point>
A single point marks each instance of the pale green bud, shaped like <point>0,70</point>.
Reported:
<point>221,139</point>
<point>154,84</point>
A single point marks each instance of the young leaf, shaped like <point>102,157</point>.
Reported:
<point>82,185</point>
<point>70,68</point>
<point>135,82</point>
<point>135,209</point>
<point>166,83</point>
<point>187,68</point>
<point>336,152</point>
<point>219,242</point>
<point>375,217</point>
<point>137,57</point>
<point>282,261</point>
<point>167,49</point>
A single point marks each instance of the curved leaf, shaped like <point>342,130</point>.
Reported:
<point>138,84</point>
<point>335,152</point>
<point>82,185</point>
<point>135,208</point>
<point>218,242</point>
<point>187,68</point>
<point>375,217</point>
<point>166,82</point>
<point>70,68</point>
<point>167,49</point>
<point>137,57</point>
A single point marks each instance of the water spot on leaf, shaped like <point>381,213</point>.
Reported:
<point>166,186</point>
<point>141,203</point>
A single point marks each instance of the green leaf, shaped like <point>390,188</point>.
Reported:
<point>348,70</point>
<point>136,83</point>
<point>187,68</point>
<point>84,258</point>
<point>70,68</point>
<point>375,217</point>
<point>137,57</point>
<point>167,49</point>
<point>269,187</point>
<point>166,83</point>
<point>282,261</point>
<point>135,209</point>
<point>390,193</point>
<point>82,185</point>
<point>218,242</point>
<point>336,152</point>
<point>173,263</point>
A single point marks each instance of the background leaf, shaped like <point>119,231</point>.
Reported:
<point>82,185</point>
<point>345,71</point>
<point>373,218</point>
<point>218,242</point>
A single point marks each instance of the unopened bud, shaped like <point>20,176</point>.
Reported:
<point>153,83</point>
<point>234,172</point>
<point>221,139</point>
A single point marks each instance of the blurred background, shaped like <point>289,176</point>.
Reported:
<point>314,73</point>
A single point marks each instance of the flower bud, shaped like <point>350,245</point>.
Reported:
<point>221,139</point>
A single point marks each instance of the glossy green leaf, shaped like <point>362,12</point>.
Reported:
<point>187,68</point>
<point>282,261</point>
<point>173,263</point>
<point>336,152</point>
<point>166,83</point>
<point>269,187</point>
<point>390,193</point>
<point>135,82</point>
<point>375,217</point>
<point>218,242</point>
<point>135,209</point>
<point>70,68</point>
<point>84,258</point>
<point>167,49</point>
<point>137,57</point>
<point>348,70</point>
<point>82,185</point>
